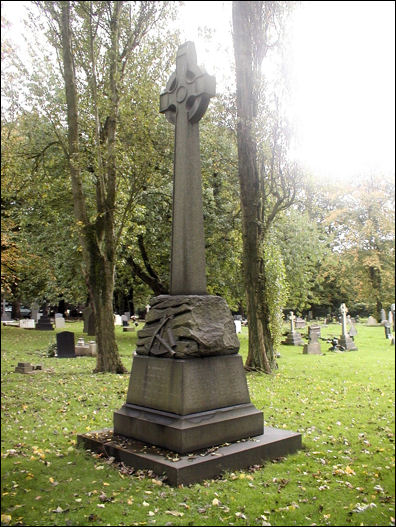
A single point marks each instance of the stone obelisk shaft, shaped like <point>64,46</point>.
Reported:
<point>188,275</point>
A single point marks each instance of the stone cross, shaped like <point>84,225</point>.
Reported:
<point>184,102</point>
<point>344,311</point>
<point>292,318</point>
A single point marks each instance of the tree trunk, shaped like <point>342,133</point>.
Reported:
<point>247,84</point>
<point>97,240</point>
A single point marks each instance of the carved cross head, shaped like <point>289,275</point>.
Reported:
<point>189,88</point>
<point>343,309</point>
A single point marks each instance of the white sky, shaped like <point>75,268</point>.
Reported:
<point>342,78</point>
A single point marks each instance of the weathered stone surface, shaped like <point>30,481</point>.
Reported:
<point>313,346</point>
<point>187,386</point>
<point>184,102</point>
<point>347,343</point>
<point>187,433</point>
<point>182,326</point>
<point>24,367</point>
<point>205,464</point>
<point>293,339</point>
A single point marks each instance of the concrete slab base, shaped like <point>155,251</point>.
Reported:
<point>199,465</point>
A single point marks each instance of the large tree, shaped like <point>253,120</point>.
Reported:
<point>266,180</point>
<point>96,42</point>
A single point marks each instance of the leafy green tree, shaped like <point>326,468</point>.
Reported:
<point>96,43</point>
<point>267,181</point>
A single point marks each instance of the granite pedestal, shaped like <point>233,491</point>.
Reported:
<point>293,339</point>
<point>187,404</point>
<point>203,464</point>
<point>347,343</point>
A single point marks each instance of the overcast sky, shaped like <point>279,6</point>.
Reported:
<point>342,60</point>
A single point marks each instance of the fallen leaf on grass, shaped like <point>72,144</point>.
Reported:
<point>174,513</point>
<point>360,508</point>
<point>6,519</point>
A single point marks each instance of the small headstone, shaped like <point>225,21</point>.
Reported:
<point>371,321</point>
<point>293,337</point>
<point>352,331</point>
<point>27,323</point>
<point>117,320</point>
<point>127,314</point>
<point>82,349</point>
<point>238,326</point>
<point>44,324</point>
<point>313,346</point>
<point>314,329</point>
<point>59,322</point>
<point>58,315</point>
<point>388,330</point>
<point>300,323</point>
<point>65,344</point>
<point>24,367</point>
<point>34,308</point>
<point>92,348</point>
<point>5,315</point>
<point>124,320</point>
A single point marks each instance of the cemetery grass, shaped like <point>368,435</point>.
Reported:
<point>341,403</point>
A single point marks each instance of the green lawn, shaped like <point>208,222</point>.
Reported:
<point>342,403</point>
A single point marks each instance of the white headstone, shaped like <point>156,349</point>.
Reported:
<point>59,322</point>
<point>117,320</point>
<point>27,323</point>
<point>238,326</point>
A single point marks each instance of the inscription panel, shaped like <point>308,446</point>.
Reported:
<point>187,386</point>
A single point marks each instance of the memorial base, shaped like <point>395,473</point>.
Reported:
<point>347,343</point>
<point>179,469</point>
<point>187,404</point>
<point>293,339</point>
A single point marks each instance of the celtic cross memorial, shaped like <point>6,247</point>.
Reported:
<point>184,102</point>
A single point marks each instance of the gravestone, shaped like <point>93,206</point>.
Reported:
<point>313,347</point>
<point>238,326</point>
<point>65,344</point>
<point>314,329</point>
<point>27,323</point>
<point>300,323</point>
<point>117,320</point>
<point>345,340</point>
<point>293,337</point>
<point>34,308</point>
<point>82,348</point>
<point>371,321</point>
<point>352,331</point>
<point>388,330</point>
<point>59,321</point>
<point>188,389</point>
<point>6,316</point>
<point>44,323</point>
<point>26,367</point>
